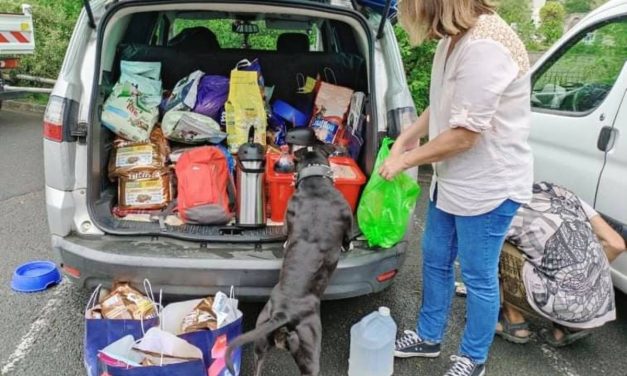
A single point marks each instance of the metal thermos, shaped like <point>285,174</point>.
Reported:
<point>251,205</point>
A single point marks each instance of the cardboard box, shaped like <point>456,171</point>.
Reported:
<point>512,286</point>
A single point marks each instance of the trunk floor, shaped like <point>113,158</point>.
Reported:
<point>229,234</point>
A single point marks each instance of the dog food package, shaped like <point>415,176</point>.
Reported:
<point>244,109</point>
<point>191,128</point>
<point>128,156</point>
<point>146,189</point>
<point>132,109</point>
<point>202,317</point>
<point>126,303</point>
<point>330,110</point>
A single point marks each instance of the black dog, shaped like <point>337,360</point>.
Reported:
<point>319,222</point>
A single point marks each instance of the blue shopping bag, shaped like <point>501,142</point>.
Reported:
<point>190,368</point>
<point>99,333</point>
<point>213,344</point>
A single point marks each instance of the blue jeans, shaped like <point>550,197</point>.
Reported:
<point>478,241</point>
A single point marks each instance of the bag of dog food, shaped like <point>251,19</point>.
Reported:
<point>128,156</point>
<point>146,189</point>
<point>200,318</point>
<point>132,109</point>
<point>191,128</point>
<point>330,110</point>
<point>244,109</point>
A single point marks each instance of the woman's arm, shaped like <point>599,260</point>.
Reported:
<point>448,144</point>
<point>612,242</point>
<point>410,137</point>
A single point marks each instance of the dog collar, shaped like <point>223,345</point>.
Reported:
<point>314,170</point>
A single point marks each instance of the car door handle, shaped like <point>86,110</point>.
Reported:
<point>606,139</point>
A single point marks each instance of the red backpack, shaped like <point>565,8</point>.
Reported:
<point>205,187</point>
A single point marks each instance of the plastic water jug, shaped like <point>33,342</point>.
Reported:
<point>372,345</point>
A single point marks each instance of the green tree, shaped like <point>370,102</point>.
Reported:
<point>552,17</point>
<point>417,61</point>
<point>54,22</point>
<point>577,6</point>
<point>518,14</point>
<point>596,3</point>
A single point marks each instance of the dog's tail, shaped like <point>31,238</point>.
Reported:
<point>264,330</point>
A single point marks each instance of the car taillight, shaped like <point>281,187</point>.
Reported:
<point>73,272</point>
<point>384,277</point>
<point>53,119</point>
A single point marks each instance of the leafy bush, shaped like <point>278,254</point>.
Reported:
<point>552,21</point>
<point>518,14</point>
<point>54,22</point>
<point>418,61</point>
<point>577,6</point>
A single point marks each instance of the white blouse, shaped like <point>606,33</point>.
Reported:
<point>485,87</point>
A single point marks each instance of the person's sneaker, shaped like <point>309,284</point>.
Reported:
<point>463,366</point>
<point>410,345</point>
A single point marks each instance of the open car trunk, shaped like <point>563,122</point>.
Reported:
<point>143,32</point>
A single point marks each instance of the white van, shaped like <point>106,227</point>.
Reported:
<point>579,124</point>
<point>95,246</point>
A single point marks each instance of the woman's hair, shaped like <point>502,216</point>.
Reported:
<point>434,19</point>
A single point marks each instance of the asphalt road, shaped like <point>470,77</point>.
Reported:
<point>41,334</point>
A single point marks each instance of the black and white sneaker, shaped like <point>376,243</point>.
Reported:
<point>464,366</point>
<point>410,345</point>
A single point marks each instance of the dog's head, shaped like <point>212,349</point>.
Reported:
<point>313,155</point>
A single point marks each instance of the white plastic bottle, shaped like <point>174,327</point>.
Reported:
<point>372,345</point>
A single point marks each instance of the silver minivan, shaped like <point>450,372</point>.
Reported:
<point>94,247</point>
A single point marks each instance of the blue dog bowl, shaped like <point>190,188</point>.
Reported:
<point>289,113</point>
<point>35,276</point>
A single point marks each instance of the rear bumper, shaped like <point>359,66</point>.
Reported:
<point>193,269</point>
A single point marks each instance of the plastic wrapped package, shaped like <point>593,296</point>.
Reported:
<point>128,156</point>
<point>244,109</point>
<point>330,110</point>
<point>144,190</point>
<point>131,111</point>
<point>191,128</point>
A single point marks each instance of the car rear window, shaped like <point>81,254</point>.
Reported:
<point>265,38</point>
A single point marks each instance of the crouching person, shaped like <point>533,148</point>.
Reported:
<point>568,249</point>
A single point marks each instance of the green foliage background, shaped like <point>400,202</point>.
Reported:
<point>55,19</point>
<point>552,17</point>
<point>54,22</point>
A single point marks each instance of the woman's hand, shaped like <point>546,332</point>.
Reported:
<point>393,165</point>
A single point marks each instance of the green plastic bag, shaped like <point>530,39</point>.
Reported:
<point>386,206</point>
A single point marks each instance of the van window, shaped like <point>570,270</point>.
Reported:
<point>579,78</point>
<point>265,37</point>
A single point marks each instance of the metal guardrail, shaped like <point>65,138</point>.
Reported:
<point>36,90</point>
<point>12,92</point>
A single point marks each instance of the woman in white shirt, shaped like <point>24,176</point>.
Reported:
<point>478,124</point>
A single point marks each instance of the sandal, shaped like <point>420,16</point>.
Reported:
<point>509,330</point>
<point>570,335</point>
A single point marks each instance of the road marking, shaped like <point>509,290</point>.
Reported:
<point>28,340</point>
<point>559,364</point>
